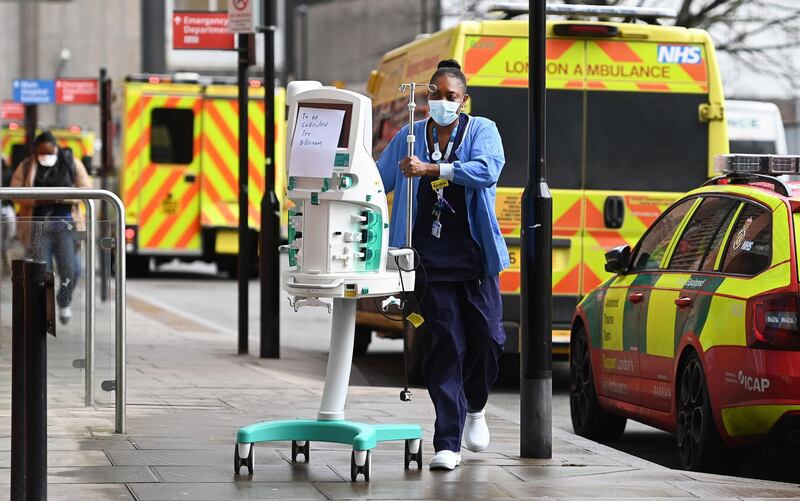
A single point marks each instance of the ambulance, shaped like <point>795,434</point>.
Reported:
<point>180,166</point>
<point>635,116</point>
<point>755,127</point>
<point>12,142</point>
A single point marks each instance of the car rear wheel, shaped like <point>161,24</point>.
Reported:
<point>699,443</point>
<point>588,419</point>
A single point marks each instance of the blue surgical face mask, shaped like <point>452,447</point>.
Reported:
<point>444,112</point>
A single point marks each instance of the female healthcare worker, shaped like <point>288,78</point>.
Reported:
<point>454,170</point>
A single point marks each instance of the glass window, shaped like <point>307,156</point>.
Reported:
<point>749,249</point>
<point>653,245</point>
<point>172,136</point>
<point>507,108</point>
<point>753,147</point>
<point>699,244</point>
<point>645,140</point>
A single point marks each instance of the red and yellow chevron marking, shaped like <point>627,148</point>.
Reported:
<point>220,159</point>
<point>611,65</point>
<point>641,210</point>
<point>567,217</point>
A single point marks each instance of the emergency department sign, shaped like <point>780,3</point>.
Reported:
<point>201,30</point>
<point>77,91</point>
<point>243,15</point>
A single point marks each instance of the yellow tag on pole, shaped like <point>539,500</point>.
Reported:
<point>439,184</point>
<point>415,319</point>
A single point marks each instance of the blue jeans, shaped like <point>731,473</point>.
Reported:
<point>54,240</point>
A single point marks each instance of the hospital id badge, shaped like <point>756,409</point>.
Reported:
<point>436,229</point>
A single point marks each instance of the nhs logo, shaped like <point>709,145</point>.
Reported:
<point>679,54</point>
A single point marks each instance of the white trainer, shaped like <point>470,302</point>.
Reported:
<point>476,432</point>
<point>65,315</point>
<point>445,460</point>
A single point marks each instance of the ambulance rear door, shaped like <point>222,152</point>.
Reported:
<point>168,178</point>
<point>497,72</point>
<point>220,164</point>
<point>642,133</point>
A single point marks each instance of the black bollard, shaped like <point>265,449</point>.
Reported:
<point>17,381</point>
<point>35,332</point>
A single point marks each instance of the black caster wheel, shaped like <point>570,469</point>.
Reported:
<point>249,461</point>
<point>416,456</point>
<point>304,449</point>
<point>355,470</point>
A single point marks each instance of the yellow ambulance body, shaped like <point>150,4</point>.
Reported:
<point>634,118</point>
<point>12,143</point>
<point>180,169</point>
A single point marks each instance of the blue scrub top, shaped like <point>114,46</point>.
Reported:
<point>454,256</point>
<point>480,161</point>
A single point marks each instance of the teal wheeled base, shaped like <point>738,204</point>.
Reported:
<point>362,437</point>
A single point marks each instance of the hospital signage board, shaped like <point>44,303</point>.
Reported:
<point>243,15</point>
<point>77,91</point>
<point>34,91</point>
<point>201,30</point>
<point>9,110</point>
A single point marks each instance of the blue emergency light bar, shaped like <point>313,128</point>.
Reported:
<point>771,165</point>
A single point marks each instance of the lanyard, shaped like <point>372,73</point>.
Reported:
<point>436,156</point>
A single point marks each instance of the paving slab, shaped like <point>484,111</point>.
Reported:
<point>188,395</point>
<point>217,491</point>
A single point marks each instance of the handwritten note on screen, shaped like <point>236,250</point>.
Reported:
<point>314,143</point>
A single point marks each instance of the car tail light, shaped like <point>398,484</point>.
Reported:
<point>772,321</point>
<point>130,234</point>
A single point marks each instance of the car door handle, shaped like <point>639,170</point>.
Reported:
<point>683,302</point>
<point>636,297</point>
<point>190,178</point>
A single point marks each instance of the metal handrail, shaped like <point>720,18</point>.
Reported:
<point>119,313</point>
<point>91,248</point>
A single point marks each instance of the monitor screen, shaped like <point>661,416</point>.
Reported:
<point>344,136</point>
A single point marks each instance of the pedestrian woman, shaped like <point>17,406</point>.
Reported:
<point>461,250</point>
<point>49,235</point>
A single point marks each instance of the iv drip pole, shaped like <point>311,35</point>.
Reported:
<point>410,139</point>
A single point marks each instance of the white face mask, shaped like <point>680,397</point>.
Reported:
<point>48,160</point>
<point>444,112</point>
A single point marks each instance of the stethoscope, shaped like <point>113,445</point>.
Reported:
<point>436,156</point>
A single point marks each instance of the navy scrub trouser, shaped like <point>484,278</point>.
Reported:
<point>464,322</point>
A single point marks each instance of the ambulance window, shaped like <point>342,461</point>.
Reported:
<point>507,108</point>
<point>653,245</point>
<point>172,136</point>
<point>749,248</point>
<point>645,141</point>
<point>753,147</point>
<point>699,244</point>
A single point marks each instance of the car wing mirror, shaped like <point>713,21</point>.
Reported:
<point>618,259</point>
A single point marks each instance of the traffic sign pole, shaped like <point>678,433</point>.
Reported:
<point>30,126</point>
<point>243,264</point>
<point>269,263</point>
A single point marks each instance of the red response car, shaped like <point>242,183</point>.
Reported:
<point>697,333</point>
